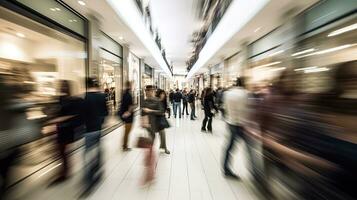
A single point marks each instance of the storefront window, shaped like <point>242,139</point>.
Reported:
<point>111,78</point>
<point>46,54</point>
<point>134,76</point>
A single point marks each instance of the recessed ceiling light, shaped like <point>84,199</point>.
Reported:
<point>58,9</point>
<point>257,29</point>
<point>82,3</point>
<point>20,35</point>
<point>70,20</point>
<point>121,38</point>
<point>53,9</point>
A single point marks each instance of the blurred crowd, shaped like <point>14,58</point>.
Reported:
<point>306,141</point>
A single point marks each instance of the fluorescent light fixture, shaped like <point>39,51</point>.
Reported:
<point>320,69</point>
<point>257,29</point>
<point>343,30</point>
<point>276,53</point>
<point>226,29</point>
<point>330,50</point>
<point>305,68</point>
<point>58,9</point>
<point>129,13</point>
<point>278,69</point>
<point>20,35</point>
<point>53,9</point>
<point>303,52</point>
<point>82,3</point>
<point>267,65</point>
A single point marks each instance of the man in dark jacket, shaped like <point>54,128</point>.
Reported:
<point>95,112</point>
<point>177,97</point>
<point>191,101</point>
<point>126,113</point>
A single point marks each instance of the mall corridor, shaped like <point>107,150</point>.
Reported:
<point>192,170</point>
<point>87,88</point>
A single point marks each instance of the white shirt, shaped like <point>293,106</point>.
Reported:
<point>236,106</point>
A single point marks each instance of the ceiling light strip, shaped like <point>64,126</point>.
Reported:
<point>129,13</point>
<point>228,26</point>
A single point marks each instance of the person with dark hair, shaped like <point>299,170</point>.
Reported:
<point>192,100</point>
<point>152,111</point>
<point>161,94</point>
<point>95,113</point>
<point>177,97</point>
<point>70,118</point>
<point>235,102</point>
<point>126,113</point>
<point>208,106</point>
<point>184,102</point>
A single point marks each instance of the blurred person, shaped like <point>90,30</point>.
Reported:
<point>219,97</point>
<point>235,102</point>
<point>153,111</point>
<point>184,102</point>
<point>95,112</point>
<point>192,100</point>
<point>171,100</point>
<point>126,113</point>
<point>70,119</point>
<point>161,94</point>
<point>15,127</point>
<point>208,106</point>
<point>177,98</point>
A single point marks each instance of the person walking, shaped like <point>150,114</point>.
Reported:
<point>177,97</point>
<point>152,111</point>
<point>184,102</point>
<point>126,113</point>
<point>70,118</point>
<point>161,94</point>
<point>171,96</point>
<point>208,105</point>
<point>191,100</point>
<point>236,104</point>
<point>95,112</point>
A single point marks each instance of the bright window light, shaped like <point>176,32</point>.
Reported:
<point>239,13</point>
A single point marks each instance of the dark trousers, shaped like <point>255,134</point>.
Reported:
<point>185,106</point>
<point>62,147</point>
<point>6,161</point>
<point>162,139</point>
<point>193,110</point>
<point>127,129</point>
<point>92,157</point>
<point>237,132</point>
<point>207,121</point>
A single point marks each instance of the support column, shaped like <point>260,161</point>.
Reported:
<point>94,46</point>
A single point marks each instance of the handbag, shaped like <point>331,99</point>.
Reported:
<point>163,123</point>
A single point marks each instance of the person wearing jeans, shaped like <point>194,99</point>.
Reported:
<point>235,102</point>
<point>95,112</point>
<point>177,97</point>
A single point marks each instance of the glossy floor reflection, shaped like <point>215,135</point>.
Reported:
<point>192,170</point>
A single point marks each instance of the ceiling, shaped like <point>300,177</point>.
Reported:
<point>113,26</point>
<point>176,21</point>
<point>272,15</point>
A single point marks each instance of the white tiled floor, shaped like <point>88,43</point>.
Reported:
<point>192,170</point>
